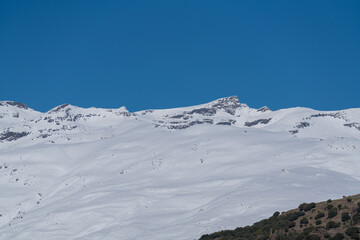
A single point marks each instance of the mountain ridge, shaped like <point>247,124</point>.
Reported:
<point>224,111</point>
<point>76,173</point>
<point>234,99</point>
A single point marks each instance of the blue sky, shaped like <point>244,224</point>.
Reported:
<point>162,54</point>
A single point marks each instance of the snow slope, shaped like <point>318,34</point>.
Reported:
<point>75,173</point>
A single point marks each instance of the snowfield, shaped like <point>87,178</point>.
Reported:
<point>75,173</point>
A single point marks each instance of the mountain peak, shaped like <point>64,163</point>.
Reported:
<point>60,108</point>
<point>229,104</point>
<point>264,109</point>
<point>232,100</point>
<point>15,104</point>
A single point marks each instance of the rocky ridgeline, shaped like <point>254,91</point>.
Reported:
<point>18,120</point>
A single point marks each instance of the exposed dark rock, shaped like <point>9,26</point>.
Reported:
<point>59,108</point>
<point>183,125</point>
<point>224,123</point>
<point>208,121</point>
<point>353,125</point>
<point>12,136</point>
<point>68,116</point>
<point>264,109</point>
<point>125,114</point>
<point>256,122</point>
<point>43,136</point>
<point>91,115</point>
<point>183,116</point>
<point>184,119</point>
<point>229,104</point>
<point>178,122</point>
<point>68,128</point>
<point>178,116</point>
<point>48,119</point>
<point>147,111</point>
<point>73,118</point>
<point>303,125</point>
<point>15,104</point>
<point>338,115</point>
<point>334,115</point>
<point>204,111</point>
<point>228,123</point>
<point>294,131</point>
<point>177,126</point>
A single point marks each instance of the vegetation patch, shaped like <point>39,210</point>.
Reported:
<point>307,222</point>
<point>332,213</point>
<point>307,206</point>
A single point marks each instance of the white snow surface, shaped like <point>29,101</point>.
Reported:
<point>75,173</point>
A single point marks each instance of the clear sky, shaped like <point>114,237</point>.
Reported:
<point>163,54</point>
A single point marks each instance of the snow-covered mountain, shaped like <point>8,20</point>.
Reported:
<point>75,173</point>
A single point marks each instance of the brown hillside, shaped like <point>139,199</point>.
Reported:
<point>333,219</point>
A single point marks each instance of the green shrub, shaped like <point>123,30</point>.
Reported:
<point>353,232</point>
<point>356,218</point>
<point>318,222</point>
<point>329,201</point>
<point>276,214</point>
<point>330,206</point>
<point>294,216</point>
<point>345,216</point>
<point>332,224</point>
<point>291,224</point>
<point>304,220</point>
<point>307,206</point>
<point>299,237</point>
<point>300,214</point>
<point>301,206</point>
<point>319,215</point>
<point>349,199</point>
<point>338,236</point>
<point>312,237</point>
<point>291,217</point>
<point>332,212</point>
<point>326,234</point>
